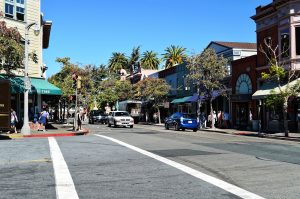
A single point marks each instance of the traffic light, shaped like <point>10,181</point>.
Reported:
<point>78,82</point>
<point>74,78</point>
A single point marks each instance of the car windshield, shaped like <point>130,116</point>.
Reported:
<point>190,116</point>
<point>121,114</point>
<point>97,113</point>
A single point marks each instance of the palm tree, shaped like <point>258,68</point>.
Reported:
<point>150,60</point>
<point>117,62</point>
<point>174,55</point>
<point>135,56</point>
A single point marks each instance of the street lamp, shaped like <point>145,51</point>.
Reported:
<point>27,85</point>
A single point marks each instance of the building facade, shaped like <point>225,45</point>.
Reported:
<point>277,24</point>
<point>19,14</point>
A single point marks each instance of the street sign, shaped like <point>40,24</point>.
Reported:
<point>5,105</point>
<point>27,83</point>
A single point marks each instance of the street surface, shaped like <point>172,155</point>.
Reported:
<point>149,162</point>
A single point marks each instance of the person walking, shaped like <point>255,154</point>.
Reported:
<point>43,120</point>
<point>78,115</point>
<point>13,120</point>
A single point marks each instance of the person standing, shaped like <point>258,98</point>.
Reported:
<point>78,115</point>
<point>13,120</point>
<point>43,120</point>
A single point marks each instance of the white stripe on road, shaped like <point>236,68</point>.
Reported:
<point>212,180</point>
<point>65,188</point>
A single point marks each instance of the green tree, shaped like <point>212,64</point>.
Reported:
<point>207,70</point>
<point>174,55</point>
<point>117,62</point>
<point>11,49</point>
<point>112,90</point>
<point>134,58</point>
<point>284,76</point>
<point>63,79</point>
<point>150,60</point>
<point>155,90</point>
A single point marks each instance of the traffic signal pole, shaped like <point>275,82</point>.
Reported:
<point>75,121</point>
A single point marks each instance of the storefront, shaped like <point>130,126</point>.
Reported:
<point>271,117</point>
<point>41,93</point>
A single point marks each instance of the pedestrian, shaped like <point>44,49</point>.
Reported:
<point>43,120</point>
<point>226,120</point>
<point>78,120</point>
<point>202,120</point>
<point>214,118</point>
<point>13,120</point>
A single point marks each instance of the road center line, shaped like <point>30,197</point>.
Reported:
<point>212,180</point>
<point>65,188</point>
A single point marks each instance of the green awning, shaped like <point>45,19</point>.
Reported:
<point>39,86</point>
<point>43,87</point>
<point>181,100</point>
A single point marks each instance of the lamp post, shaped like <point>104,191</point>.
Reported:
<point>27,85</point>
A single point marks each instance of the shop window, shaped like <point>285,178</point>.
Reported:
<point>285,43</point>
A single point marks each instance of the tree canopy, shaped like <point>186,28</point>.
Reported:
<point>174,55</point>
<point>208,70</point>
<point>11,49</point>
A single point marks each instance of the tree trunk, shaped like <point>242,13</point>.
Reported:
<point>158,114</point>
<point>199,108</point>
<point>212,114</point>
<point>285,122</point>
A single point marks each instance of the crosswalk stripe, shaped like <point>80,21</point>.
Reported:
<point>65,188</point>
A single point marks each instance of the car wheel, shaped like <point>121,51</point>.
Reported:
<point>195,130</point>
<point>131,126</point>
<point>167,126</point>
<point>176,127</point>
<point>183,129</point>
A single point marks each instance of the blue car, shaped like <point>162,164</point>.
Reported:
<point>181,121</point>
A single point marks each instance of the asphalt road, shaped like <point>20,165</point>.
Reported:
<point>149,162</point>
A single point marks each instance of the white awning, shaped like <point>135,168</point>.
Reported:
<point>267,87</point>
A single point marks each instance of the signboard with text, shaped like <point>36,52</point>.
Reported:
<point>5,104</point>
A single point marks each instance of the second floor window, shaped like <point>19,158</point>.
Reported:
<point>285,43</point>
<point>9,10</point>
<point>15,9</point>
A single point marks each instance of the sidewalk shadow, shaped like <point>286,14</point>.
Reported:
<point>50,126</point>
<point>4,137</point>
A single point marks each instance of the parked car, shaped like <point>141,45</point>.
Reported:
<point>181,121</point>
<point>97,116</point>
<point>120,118</point>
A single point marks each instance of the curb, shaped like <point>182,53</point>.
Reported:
<point>45,135</point>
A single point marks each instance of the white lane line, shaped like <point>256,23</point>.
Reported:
<point>212,180</point>
<point>65,188</point>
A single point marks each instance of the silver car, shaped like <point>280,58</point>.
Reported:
<point>120,118</point>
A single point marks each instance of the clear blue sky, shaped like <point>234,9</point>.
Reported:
<point>89,31</point>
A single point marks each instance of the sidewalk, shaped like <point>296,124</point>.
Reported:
<point>52,130</point>
<point>280,136</point>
